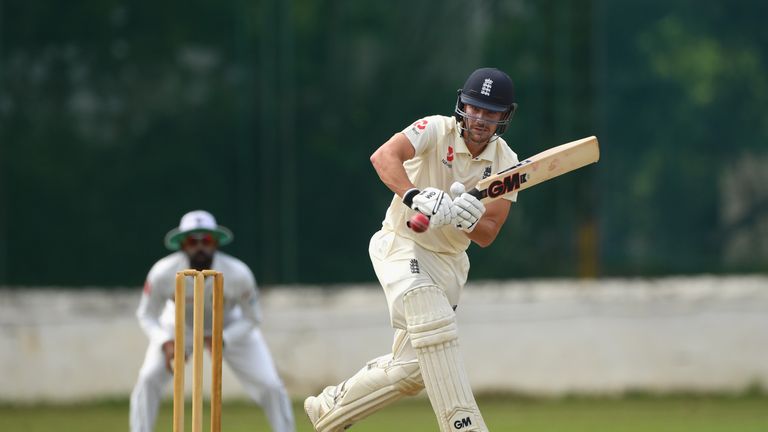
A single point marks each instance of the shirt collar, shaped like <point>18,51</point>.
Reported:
<point>488,153</point>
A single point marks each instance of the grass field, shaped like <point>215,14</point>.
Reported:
<point>632,414</point>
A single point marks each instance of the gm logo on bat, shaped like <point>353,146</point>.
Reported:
<point>507,184</point>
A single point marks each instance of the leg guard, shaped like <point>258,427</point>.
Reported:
<point>432,329</point>
<point>381,382</point>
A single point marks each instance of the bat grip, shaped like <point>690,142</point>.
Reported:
<point>475,192</point>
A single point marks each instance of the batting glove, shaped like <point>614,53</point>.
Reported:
<point>466,209</point>
<point>433,202</point>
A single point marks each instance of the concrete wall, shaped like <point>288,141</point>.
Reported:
<point>546,337</point>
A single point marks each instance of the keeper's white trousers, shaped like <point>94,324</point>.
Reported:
<point>248,358</point>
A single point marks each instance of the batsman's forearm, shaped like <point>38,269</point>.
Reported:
<point>485,232</point>
<point>397,182</point>
<point>489,226</point>
<point>390,169</point>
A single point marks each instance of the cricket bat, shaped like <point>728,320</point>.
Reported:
<point>532,171</point>
<point>538,169</point>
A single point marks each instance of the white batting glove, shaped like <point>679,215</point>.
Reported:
<point>466,209</point>
<point>433,202</point>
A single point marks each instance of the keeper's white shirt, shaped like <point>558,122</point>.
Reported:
<point>441,159</point>
<point>245,350</point>
<point>241,306</point>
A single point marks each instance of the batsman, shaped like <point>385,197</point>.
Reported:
<point>428,166</point>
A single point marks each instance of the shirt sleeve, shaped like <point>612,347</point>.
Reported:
<point>421,134</point>
<point>148,313</point>
<point>248,301</point>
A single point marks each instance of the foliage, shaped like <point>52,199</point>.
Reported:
<point>117,117</point>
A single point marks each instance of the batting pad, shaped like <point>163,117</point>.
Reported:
<point>432,329</point>
<point>381,382</point>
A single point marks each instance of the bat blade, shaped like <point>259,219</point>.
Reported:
<point>539,168</point>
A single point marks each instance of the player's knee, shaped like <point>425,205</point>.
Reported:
<point>410,383</point>
<point>430,318</point>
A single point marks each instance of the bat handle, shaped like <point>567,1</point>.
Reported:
<point>475,192</point>
<point>457,188</point>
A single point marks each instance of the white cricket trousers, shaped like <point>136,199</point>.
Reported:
<point>402,265</point>
<point>248,358</point>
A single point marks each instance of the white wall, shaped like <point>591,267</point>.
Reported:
<point>541,337</point>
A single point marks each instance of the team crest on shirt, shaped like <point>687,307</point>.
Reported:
<point>414,266</point>
<point>487,172</point>
<point>448,159</point>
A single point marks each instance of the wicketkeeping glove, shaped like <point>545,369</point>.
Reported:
<point>432,202</point>
<point>466,209</point>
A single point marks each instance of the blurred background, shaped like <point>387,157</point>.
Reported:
<point>117,117</point>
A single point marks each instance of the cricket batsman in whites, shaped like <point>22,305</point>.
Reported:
<point>428,166</point>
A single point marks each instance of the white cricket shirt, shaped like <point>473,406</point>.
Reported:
<point>241,306</point>
<point>442,158</point>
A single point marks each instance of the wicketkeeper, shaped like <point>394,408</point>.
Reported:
<point>196,243</point>
<point>423,274</point>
